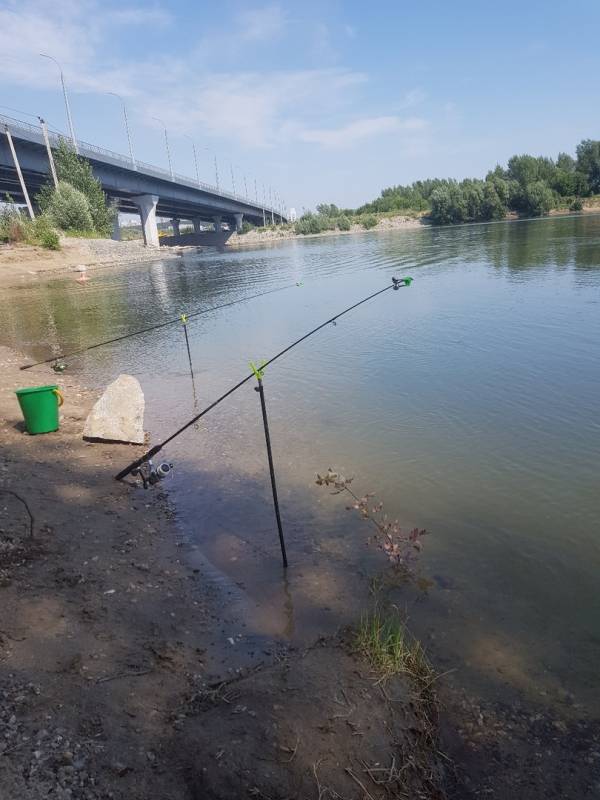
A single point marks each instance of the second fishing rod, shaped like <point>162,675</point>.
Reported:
<point>396,283</point>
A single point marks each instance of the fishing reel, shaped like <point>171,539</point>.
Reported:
<point>150,474</point>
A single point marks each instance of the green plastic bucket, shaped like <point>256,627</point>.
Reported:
<point>40,405</point>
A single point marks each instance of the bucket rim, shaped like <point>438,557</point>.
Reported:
<point>33,389</point>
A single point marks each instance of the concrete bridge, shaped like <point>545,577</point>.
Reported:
<point>135,187</point>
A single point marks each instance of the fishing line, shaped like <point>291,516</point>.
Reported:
<point>396,283</point>
<point>156,327</point>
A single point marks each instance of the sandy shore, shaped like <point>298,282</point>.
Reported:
<point>20,264</point>
<point>118,674</point>
<point>256,236</point>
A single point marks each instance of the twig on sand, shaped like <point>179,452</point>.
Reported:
<point>360,783</point>
<point>24,502</point>
<point>293,752</point>
<point>123,675</point>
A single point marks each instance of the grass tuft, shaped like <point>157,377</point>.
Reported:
<point>391,650</point>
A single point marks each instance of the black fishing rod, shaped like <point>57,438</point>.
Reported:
<point>156,327</point>
<point>395,284</point>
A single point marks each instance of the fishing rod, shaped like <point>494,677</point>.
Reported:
<point>396,283</point>
<point>156,327</point>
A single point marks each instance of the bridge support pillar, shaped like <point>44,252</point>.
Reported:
<point>217,223</point>
<point>197,223</point>
<point>239,218</point>
<point>116,231</point>
<point>175,226</point>
<point>146,204</point>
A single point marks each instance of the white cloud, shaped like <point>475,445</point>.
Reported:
<point>356,131</point>
<point>412,98</point>
<point>261,24</point>
<point>251,108</point>
<point>139,16</point>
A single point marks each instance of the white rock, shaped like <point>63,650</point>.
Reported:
<point>118,416</point>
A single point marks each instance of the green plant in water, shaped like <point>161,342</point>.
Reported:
<point>391,650</point>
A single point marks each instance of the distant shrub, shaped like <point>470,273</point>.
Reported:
<point>246,227</point>
<point>344,223</point>
<point>69,208</point>
<point>310,223</point>
<point>576,205</point>
<point>369,221</point>
<point>41,232</point>
<point>11,224</point>
<point>15,228</point>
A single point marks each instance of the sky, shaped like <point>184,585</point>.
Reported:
<point>325,101</point>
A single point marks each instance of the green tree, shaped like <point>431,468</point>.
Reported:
<point>538,199</point>
<point>493,206</point>
<point>78,172</point>
<point>588,163</point>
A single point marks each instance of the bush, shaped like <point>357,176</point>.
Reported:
<point>369,221</point>
<point>15,228</point>
<point>309,223</point>
<point>11,224</point>
<point>576,205</point>
<point>537,199</point>
<point>78,173</point>
<point>69,208</point>
<point>344,223</point>
<point>40,231</point>
<point>246,227</point>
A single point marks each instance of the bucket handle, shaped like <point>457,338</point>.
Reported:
<point>61,399</point>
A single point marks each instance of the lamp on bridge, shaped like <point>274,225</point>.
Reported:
<point>118,96</point>
<point>167,145</point>
<point>66,96</point>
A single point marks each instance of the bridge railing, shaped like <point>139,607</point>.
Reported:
<point>93,150</point>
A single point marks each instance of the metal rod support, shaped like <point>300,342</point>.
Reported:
<point>19,173</point>
<point>49,151</point>
<point>263,407</point>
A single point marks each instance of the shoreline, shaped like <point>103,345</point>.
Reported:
<point>22,264</point>
<point>120,678</point>
<point>124,672</point>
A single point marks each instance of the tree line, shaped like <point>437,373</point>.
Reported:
<point>529,186</point>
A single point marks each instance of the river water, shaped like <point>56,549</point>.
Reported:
<point>468,402</point>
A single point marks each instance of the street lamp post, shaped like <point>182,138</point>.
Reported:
<point>195,158</point>
<point>217,173</point>
<point>166,145</point>
<point>118,96</point>
<point>66,97</point>
<point>232,177</point>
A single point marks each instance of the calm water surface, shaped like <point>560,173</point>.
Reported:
<point>469,402</point>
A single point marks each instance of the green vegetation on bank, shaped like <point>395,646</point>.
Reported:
<point>529,186</point>
<point>78,202</point>
<point>16,228</point>
<point>76,207</point>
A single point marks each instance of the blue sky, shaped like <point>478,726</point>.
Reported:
<point>325,101</point>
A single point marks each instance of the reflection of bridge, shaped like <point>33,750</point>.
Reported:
<point>135,187</point>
